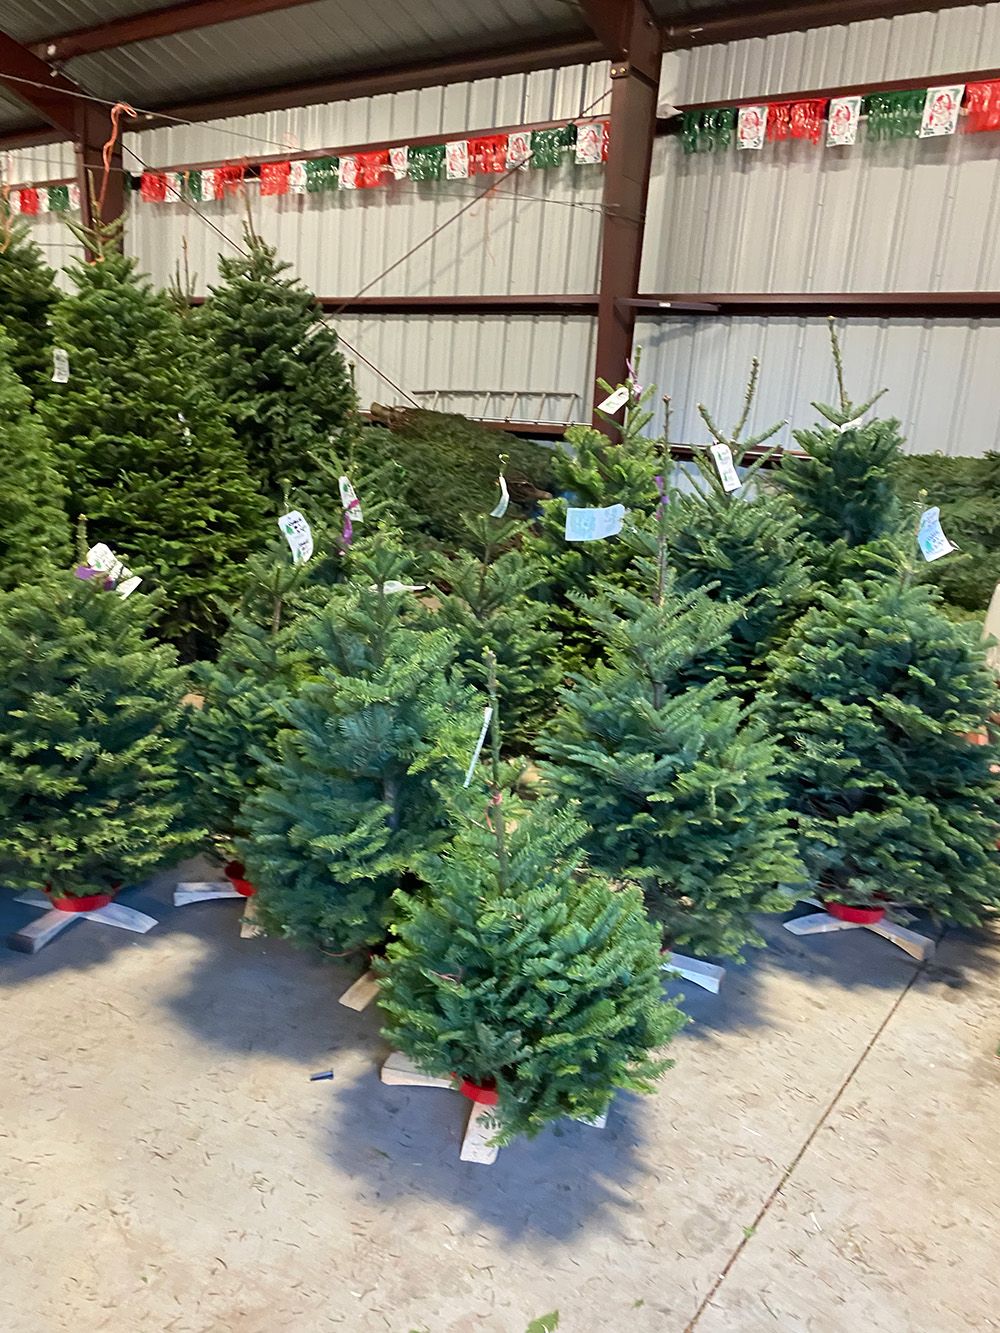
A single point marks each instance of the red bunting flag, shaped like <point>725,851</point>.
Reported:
<point>27,201</point>
<point>153,187</point>
<point>274,177</point>
<point>488,154</point>
<point>982,101</point>
<point>229,179</point>
<point>371,167</point>
<point>796,120</point>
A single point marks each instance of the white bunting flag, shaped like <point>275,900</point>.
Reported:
<point>399,161</point>
<point>347,173</point>
<point>593,525</point>
<point>298,535</point>
<point>60,366</point>
<point>589,143</point>
<point>941,108</point>
<point>175,187</point>
<point>843,119</point>
<point>74,197</point>
<point>43,200</point>
<point>297,177</point>
<point>456,157</point>
<point>725,467</point>
<point>931,539</point>
<point>518,149</point>
<point>751,126</point>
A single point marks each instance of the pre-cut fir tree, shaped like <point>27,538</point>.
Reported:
<point>34,531</point>
<point>89,739</point>
<point>149,459</point>
<point>351,799</point>
<point>522,973</point>
<point>28,296</point>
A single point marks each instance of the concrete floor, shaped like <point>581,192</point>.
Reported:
<point>823,1158</point>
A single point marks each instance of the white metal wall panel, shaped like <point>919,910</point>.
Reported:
<point>941,374</point>
<point>537,232</point>
<point>45,162</point>
<point>521,367</point>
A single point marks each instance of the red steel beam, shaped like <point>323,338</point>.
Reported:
<point>634,90</point>
<point>164,22</point>
<point>736,22</point>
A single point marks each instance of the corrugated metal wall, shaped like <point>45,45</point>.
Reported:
<point>941,374</point>
<point>45,162</point>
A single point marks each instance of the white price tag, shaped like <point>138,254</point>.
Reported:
<point>850,425</point>
<point>103,559</point>
<point>349,501</point>
<point>298,535</point>
<point>931,539</point>
<point>487,716</point>
<point>593,525</point>
<point>60,366</point>
<point>394,585</point>
<point>500,508</point>
<point>725,467</point>
<point>614,401</point>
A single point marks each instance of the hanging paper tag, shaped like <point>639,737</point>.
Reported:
<point>843,119</point>
<point>593,525</point>
<point>941,108</point>
<point>60,366</point>
<point>298,535</point>
<point>500,508</point>
<point>399,161</point>
<point>725,467</point>
<point>394,585</point>
<point>456,156</point>
<point>615,401</point>
<point>751,126</point>
<point>850,425</point>
<point>931,539</point>
<point>104,560</point>
<point>487,717</point>
<point>349,502</point>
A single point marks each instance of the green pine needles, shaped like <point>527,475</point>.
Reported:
<point>89,748</point>
<point>277,367</point>
<point>873,695</point>
<point>516,969</point>
<point>28,296</point>
<point>350,801</point>
<point>149,459</point>
<point>34,533</point>
<point>675,782</point>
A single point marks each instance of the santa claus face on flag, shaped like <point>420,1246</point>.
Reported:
<point>751,126</point>
<point>843,118</point>
<point>941,111</point>
<point>589,141</point>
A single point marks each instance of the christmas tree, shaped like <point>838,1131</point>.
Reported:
<point>874,693</point>
<point>737,539</point>
<point>35,530</point>
<point>28,297</point>
<point>485,598</point>
<point>88,745</point>
<point>594,472</point>
<point>675,781</point>
<point>845,489</point>
<point>150,460</point>
<point>275,365</point>
<point>349,802</point>
<point>522,974</point>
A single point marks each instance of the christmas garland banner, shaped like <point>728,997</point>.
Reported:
<point>911,113</point>
<point>455,159</point>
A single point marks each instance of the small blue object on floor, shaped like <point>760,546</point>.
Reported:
<point>315,1078</point>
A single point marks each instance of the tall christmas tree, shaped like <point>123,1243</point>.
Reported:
<point>737,539</point>
<point>874,693</point>
<point>35,531</point>
<point>350,801</point>
<point>275,365</point>
<point>675,782</point>
<point>845,489</point>
<point>150,460</point>
<point>28,296</point>
<point>88,742</point>
<point>485,599</point>
<point>524,975</point>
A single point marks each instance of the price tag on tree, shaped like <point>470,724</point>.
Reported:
<point>60,366</point>
<point>298,535</point>
<point>500,508</point>
<point>930,538</point>
<point>593,525</point>
<point>349,501</point>
<point>104,560</point>
<point>614,401</point>
<point>725,467</point>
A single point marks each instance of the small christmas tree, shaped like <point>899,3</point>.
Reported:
<point>349,803</point>
<point>486,600</point>
<point>275,364</point>
<point>89,741</point>
<point>874,693</point>
<point>675,782</point>
<point>519,972</point>
<point>28,296</point>
<point>35,530</point>
<point>845,490</point>
<point>149,459</point>
<point>740,545</point>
